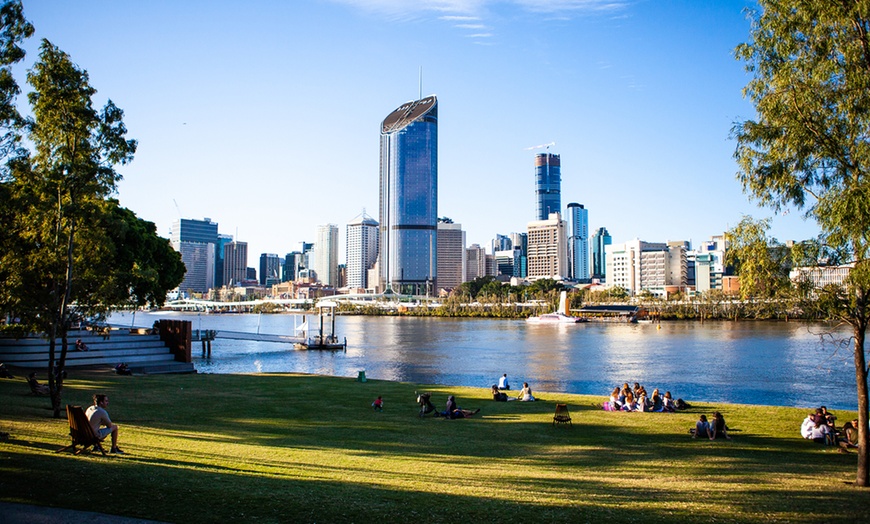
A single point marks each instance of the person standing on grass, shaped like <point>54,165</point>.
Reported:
<point>101,423</point>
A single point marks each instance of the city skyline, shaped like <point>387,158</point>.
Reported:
<point>638,96</point>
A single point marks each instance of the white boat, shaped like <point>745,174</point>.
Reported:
<point>554,318</point>
<point>557,317</point>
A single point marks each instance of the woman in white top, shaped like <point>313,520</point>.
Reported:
<point>526,393</point>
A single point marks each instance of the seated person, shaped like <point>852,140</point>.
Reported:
<point>503,382</point>
<point>100,422</point>
<point>123,369</point>
<point>850,433</point>
<point>821,434</point>
<point>615,403</point>
<point>828,417</point>
<point>668,404</point>
<point>35,386</point>
<point>629,404</point>
<point>702,428</point>
<point>81,346</point>
<point>718,428</point>
<point>526,393</point>
<point>378,404</point>
<point>497,395</point>
<point>454,411</point>
<point>807,426</point>
<point>4,373</point>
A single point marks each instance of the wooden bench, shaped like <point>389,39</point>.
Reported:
<point>81,432</point>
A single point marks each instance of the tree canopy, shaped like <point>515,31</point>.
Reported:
<point>809,145</point>
<point>69,249</point>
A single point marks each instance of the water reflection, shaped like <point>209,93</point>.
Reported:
<point>742,362</point>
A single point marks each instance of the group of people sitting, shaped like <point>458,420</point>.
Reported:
<point>451,410</point>
<point>820,426</point>
<point>499,395</point>
<point>712,430</point>
<point>636,399</point>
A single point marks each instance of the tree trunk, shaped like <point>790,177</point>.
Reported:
<point>863,475</point>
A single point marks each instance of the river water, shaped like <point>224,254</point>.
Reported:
<point>766,363</point>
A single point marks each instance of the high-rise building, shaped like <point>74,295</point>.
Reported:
<point>600,240</point>
<point>501,243</point>
<point>219,259</point>
<point>521,241</point>
<point>362,250</point>
<point>409,198</point>
<point>547,250</point>
<point>196,240</point>
<point>451,255</point>
<point>637,265</point>
<point>270,269</point>
<point>326,254</point>
<point>292,265</point>
<point>235,263</point>
<point>475,262</point>
<point>578,242</point>
<point>548,185</point>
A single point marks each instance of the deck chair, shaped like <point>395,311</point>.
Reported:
<point>81,432</point>
<point>37,390</point>
<point>562,416</point>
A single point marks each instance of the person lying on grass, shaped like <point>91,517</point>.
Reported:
<point>454,411</point>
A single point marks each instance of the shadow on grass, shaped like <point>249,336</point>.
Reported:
<point>276,448</point>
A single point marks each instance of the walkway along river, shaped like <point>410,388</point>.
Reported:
<point>746,362</point>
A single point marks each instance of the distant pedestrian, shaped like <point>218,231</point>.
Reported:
<point>378,404</point>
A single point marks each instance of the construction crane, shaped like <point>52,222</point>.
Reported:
<point>542,146</point>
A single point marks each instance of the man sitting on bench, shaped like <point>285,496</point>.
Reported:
<point>100,422</point>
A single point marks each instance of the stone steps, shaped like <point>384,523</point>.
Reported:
<point>143,353</point>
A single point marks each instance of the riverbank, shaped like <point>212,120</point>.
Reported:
<point>278,448</point>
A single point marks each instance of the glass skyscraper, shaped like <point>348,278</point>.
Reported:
<point>600,241</point>
<point>578,242</point>
<point>409,198</point>
<point>548,185</point>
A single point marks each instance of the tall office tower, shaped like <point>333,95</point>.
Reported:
<point>451,255</point>
<point>235,263</point>
<point>292,264</point>
<point>409,198</point>
<point>548,252</point>
<point>578,242</point>
<point>326,254</point>
<point>219,259</point>
<point>196,241</point>
<point>270,269</point>
<point>548,185</point>
<point>362,250</point>
<point>475,262</point>
<point>306,248</point>
<point>501,243</point>
<point>600,240</point>
<point>521,241</point>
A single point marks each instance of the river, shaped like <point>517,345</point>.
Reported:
<point>745,362</point>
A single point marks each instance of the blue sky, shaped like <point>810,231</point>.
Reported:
<point>264,115</point>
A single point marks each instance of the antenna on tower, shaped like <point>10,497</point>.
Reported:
<point>421,83</point>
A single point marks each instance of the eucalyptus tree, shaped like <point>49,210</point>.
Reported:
<point>61,196</point>
<point>759,260</point>
<point>809,144</point>
<point>14,29</point>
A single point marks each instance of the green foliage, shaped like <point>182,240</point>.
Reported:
<point>760,261</point>
<point>810,144</point>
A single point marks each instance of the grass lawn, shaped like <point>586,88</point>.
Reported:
<point>300,448</point>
